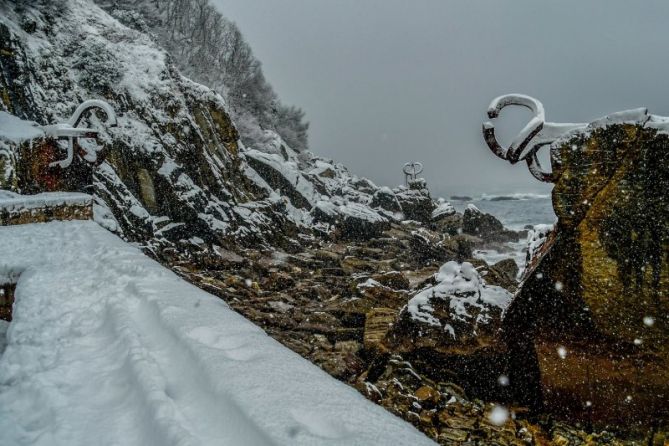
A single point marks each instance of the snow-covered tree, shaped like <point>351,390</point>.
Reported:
<point>211,50</point>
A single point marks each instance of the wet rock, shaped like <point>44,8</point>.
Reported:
<point>507,268</point>
<point>485,226</point>
<point>588,329</point>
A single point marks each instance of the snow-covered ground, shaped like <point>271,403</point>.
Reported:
<point>107,347</point>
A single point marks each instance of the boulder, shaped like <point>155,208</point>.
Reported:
<point>360,222</point>
<point>416,204</point>
<point>443,210</point>
<point>384,198</point>
<point>485,226</point>
<point>284,177</point>
<point>589,330</point>
<point>460,313</point>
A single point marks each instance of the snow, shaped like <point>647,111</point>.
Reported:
<point>362,212</point>
<point>498,415</point>
<point>463,287</point>
<point>444,208</point>
<point>290,172</point>
<point>14,129</point>
<point>4,325</point>
<point>108,347</point>
<point>13,202</point>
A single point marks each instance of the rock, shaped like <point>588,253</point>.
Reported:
<point>448,224</point>
<point>416,204</point>
<point>429,246</point>
<point>347,346</point>
<point>427,393</point>
<point>589,329</point>
<point>503,273</point>
<point>278,281</point>
<point>393,279</point>
<point>485,226</point>
<point>385,199</point>
<point>506,267</point>
<point>382,295</point>
<point>377,323</point>
<point>460,313</point>
<point>360,222</point>
<point>444,209</point>
<point>284,177</point>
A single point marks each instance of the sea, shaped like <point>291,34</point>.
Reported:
<point>516,211</point>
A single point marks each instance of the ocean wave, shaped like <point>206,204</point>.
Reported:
<point>514,196</point>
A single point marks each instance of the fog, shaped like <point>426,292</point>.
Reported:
<point>384,82</point>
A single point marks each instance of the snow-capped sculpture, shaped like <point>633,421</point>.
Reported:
<point>536,134</point>
<point>70,130</point>
<point>411,171</point>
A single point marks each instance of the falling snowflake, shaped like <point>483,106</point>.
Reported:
<point>562,352</point>
<point>503,380</point>
<point>638,341</point>
<point>559,286</point>
<point>498,415</point>
<point>649,321</point>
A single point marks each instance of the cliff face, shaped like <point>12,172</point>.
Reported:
<point>174,168</point>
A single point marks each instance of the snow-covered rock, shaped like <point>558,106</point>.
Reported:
<point>458,312</point>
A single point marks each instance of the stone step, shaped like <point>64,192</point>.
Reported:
<point>16,209</point>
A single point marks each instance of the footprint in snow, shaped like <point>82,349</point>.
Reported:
<point>236,348</point>
<point>317,425</point>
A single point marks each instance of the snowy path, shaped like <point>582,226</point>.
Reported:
<point>109,348</point>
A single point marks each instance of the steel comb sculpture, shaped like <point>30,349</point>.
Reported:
<point>411,171</point>
<point>70,130</point>
<point>536,134</point>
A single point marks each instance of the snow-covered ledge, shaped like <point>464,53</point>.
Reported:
<point>105,343</point>
<point>47,206</point>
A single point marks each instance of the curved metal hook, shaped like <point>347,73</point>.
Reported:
<point>70,130</point>
<point>536,134</point>
<point>93,103</point>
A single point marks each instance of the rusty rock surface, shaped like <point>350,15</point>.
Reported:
<point>589,329</point>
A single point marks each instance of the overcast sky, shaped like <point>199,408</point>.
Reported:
<point>384,82</point>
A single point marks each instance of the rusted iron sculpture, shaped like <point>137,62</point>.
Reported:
<point>411,171</point>
<point>70,130</point>
<point>536,134</point>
